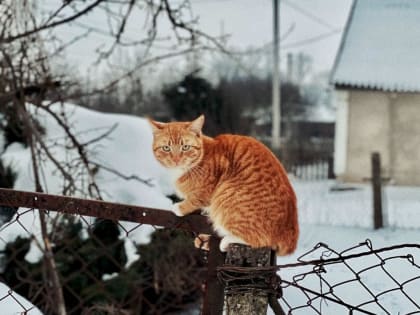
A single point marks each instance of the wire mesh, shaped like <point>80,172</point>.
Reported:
<point>105,266</point>
<point>120,259</point>
<point>357,280</point>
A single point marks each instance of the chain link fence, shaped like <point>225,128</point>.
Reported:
<point>106,265</point>
<point>357,280</point>
<point>120,259</point>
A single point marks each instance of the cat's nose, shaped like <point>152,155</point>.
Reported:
<point>176,159</point>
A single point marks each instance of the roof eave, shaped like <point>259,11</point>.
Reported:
<point>343,40</point>
<point>349,86</point>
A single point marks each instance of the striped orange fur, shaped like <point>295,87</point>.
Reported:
<point>237,180</point>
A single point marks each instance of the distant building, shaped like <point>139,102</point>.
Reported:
<point>377,91</point>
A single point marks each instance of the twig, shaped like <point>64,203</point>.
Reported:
<point>147,182</point>
<point>52,24</point>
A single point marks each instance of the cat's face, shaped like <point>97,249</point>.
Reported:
<point>178,144</point>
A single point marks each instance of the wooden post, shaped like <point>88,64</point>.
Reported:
<point>213,300</point>
<point>246,302</point>
<point>377,190</point>
<point>331,168</point>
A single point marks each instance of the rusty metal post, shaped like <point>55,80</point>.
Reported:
<point>213,299</point>
<point>248,301</point>
<point>377,190</point>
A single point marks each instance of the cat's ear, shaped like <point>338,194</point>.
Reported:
<point>197,124</point>
<point>156,126</point>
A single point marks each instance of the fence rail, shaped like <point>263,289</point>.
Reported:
<point>312,169</point>
<point>104,210</point>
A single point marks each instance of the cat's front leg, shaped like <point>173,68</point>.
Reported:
<point>176,209</point>
<point>186,206</point>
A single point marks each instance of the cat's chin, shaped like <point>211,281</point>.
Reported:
<point>177,168</point>
<point>177,171</point>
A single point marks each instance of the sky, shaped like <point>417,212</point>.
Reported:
<point>310,26</point>
<point>249,22</point>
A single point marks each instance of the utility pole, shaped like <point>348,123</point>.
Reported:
<point>276,98</point>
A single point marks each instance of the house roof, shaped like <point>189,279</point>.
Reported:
<point>380,48</point>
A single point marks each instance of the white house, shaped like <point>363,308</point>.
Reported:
<point>376,77</point>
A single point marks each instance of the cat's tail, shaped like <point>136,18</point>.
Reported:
<point>287,244</point>
<point>282,250</point>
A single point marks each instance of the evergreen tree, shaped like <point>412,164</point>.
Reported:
<point>167,276</point>
<point>193,96</point>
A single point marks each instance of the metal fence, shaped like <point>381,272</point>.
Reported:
<point>99,270</point>
<point>102,272</point>
<point>344,282</point>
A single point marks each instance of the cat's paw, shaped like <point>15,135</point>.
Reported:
<point>176,210</point>
<point>224,244</point>
<point>229,239</point>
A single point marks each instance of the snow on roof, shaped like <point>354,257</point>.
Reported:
<point>380,48</point>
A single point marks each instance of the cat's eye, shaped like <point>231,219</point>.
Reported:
<point>186,147</point>
<point>166,148</point>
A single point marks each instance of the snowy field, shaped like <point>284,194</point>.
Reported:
<point>320,203</point>
<point>344,219</point>
<point>376,279</point>
<point>12,303</point>
<point>340,219</point>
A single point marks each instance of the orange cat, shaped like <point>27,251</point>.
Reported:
<point>235,179</point>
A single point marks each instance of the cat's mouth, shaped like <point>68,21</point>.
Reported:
<point>176,166</point>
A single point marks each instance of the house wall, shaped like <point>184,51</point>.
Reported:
<point>388,123</point>
<point>368,131</point>
<point>405,138</point>
<point>341,100</point>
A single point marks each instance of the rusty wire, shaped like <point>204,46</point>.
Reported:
<point>314,280</point>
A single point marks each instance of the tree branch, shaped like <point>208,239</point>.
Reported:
<point>52,24</point>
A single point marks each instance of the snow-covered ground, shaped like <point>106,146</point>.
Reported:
<point>320,202</point>
<point>339,239</point>
<point>340,219</point>
<point>127,149</point>
<point>12,303</point>
<point>343,219</point>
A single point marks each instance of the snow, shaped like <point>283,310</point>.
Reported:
<point>318,204</point>
<point>380,46</point>
<point>127,149</point>
<point>339,239</point>
<point>343,219</point>
<point>12,303</point>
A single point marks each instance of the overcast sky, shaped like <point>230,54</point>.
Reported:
<point>312,26</point>
<point>250,24</point>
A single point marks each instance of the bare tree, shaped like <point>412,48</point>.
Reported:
<point>29,87</point>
